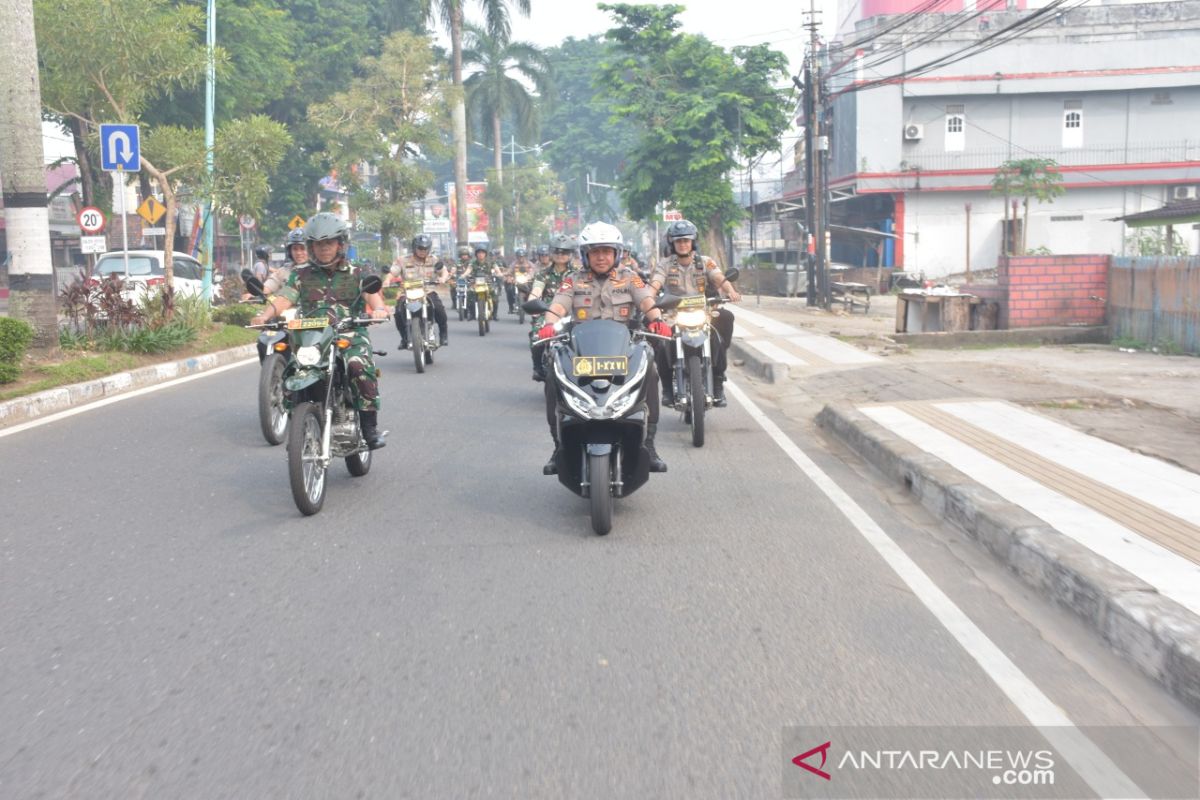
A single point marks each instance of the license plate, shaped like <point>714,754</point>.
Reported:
<point>417,284</point>
<point>307,324</point>
<point>590,366</point>
<point>481,283</point>
<point>692,302</point>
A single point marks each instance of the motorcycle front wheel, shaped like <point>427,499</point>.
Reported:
<point>600,492</point>
<point>481,316</point>
<point>462,310</point>
<point>272,416</point>
<point>696,399</point>
<point>418,342</point>
<point>305,471</point>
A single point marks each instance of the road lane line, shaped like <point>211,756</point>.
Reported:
<point>116,398</point>
<point>1088,760</point>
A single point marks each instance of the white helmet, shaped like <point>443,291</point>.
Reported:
<point>601,234</point>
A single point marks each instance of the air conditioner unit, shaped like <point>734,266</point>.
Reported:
<point>913,132</point>
<point>1183,192</point>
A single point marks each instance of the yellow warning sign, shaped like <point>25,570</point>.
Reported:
<point>151,210</point>
<point>296,222</point>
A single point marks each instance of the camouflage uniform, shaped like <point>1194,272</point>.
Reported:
<point>335,293</point>
<point>545,285</point>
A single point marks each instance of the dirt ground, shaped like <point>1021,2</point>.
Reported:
<point>1147,402</point>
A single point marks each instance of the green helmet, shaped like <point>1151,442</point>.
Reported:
<point>464,252</point>
<point>323,227</point>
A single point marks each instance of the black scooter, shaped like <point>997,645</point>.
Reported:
<point>599,370</point>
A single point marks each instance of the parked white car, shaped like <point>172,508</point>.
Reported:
<point>146,272</point>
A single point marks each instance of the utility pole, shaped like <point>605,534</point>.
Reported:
<point>210,89</point>
<point>23,174</point>
<point>818,148</point>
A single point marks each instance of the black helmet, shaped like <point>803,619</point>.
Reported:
<point>295,236</point>
<point>262,252</point>
<point>520,253</point>
<point>681,229</point>
<point>543,250</point>
<point>481,248</point>
<point>421,242</point>
<point>496,253</point>
<point>323,227</point>
<point>464,252</point>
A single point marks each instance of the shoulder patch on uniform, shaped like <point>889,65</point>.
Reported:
<point>637,281</point>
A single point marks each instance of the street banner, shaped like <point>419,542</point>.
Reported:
<point>477,219</point>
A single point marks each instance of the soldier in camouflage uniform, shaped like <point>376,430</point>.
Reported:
<point>480,267</point>
<point>420,266</point>
<point>686,272</point>
<point>545,286</point>
<point>461,268</point>
<point>603,290</point>
<point>328,285</point>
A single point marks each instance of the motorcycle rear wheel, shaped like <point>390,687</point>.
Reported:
<point>305,472</point>
<point>696,399</point>
<point>600,492</point>
<point>418,342</point>
<point>272,417</point>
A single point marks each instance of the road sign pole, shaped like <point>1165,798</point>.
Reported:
<point>124,220</point>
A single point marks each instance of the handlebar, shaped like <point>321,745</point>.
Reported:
<point>340,325</point>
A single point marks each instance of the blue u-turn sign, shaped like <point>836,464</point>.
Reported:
<point>120,148</point>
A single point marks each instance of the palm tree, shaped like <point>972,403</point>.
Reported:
<point>450,14</point>
<point>493,93</point>
<point>31,276</point>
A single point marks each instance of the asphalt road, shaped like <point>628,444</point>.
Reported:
<point>448,626</point>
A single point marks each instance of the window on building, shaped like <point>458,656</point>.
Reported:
<point>1072,133</point>
<point>956,128</point>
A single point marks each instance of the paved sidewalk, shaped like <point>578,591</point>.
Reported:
<point>1085,484</point>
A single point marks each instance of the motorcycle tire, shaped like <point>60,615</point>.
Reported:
<point>696,399</point>
<point>359,464</point>
<point>272,416</point>
<point>428,356</point>
<point>481,317</point>
<point>462,311</point>
<point>418,343</point>
<point>304,450</point>
<point>600,492</point>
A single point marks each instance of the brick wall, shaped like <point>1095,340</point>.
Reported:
<point>1055,290</point>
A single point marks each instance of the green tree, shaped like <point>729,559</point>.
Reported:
<point>450,14</point>
<point>528,196</point>
<point>495,91</point>
<point>700,111</point>
<point>583,139</point>
<point>388,118</point>
<point>1027,178</point>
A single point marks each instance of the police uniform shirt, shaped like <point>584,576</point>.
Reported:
<point>681,280</point>
<point>584,296</point>
<point>412,270</point>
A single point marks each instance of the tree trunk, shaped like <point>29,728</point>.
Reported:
<point>460,127</point>
<point>87,185</point>
<point>23,176</point>
<point>164,185</point>
<point>498,161</point>
<point>714,245</point>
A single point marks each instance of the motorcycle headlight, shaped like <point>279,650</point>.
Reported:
<point>308,356</point>
<point>692,318</point>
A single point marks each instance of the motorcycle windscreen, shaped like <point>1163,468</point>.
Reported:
<point>601,349</point>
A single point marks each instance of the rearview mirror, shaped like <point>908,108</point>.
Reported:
<point>247,275</point>
<point>667,302</point>
<point>253,285</point>
<point>535,306</point>
<point>732,274</point>
<point>370,284</point>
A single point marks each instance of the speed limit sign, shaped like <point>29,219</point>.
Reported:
<point>91,219</point>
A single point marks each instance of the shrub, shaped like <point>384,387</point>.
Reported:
<point>237,314</point>
<point>194,312</point>
<point>15,336</point>
<point>147,340</point>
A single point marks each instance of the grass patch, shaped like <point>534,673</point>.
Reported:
<point>1162,346</point>
<point>82,364</point>
<point>1066,405</point>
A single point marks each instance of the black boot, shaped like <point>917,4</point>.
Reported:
<point>444,338</point>
<point>668,394</point>
<point>656,463</point>
<point>551,466</point>
<point>370,431</point>
<point>719,392</point>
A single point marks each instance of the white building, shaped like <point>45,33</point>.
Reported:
<point>1111,93</point>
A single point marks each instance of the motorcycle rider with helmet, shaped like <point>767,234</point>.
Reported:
<point>543,258</point>
<point>520,264</point>
<point>460,269</point>
<point>479,267</point>
<point>545,285</point>
<point>685,272</point>
<point>328,284</point>
<point>602,290</point>
<point>420,266</point>
<point>262,263</point>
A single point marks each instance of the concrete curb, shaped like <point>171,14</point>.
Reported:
<point>23,409</point>
<point>1093,334</point>
<point>757,364</point>
<point>1156,634</point>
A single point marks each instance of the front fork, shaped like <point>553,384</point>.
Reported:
<point>681,377</point>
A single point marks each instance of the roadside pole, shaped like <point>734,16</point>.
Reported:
<point>124,220</point>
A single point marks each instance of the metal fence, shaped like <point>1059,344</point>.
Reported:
<point>1156,299</point>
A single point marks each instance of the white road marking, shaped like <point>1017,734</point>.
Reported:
<point>1171,574</point>
<point>1088,760</point>
<point>70,412</point>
